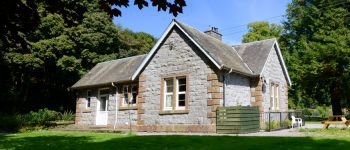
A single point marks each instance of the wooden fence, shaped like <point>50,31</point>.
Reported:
<point>237,119</point>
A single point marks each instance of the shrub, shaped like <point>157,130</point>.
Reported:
<point>32,120</point>
<point>323,110</point>
<point>42,117</point>
<point>66,116</point>
<point>274,125</point>
<point>286,123</point>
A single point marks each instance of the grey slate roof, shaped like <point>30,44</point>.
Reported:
<point>110,71</point>
<point>222,53</point>
<point>255,53</point>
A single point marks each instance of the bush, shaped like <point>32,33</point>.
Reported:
<point>33,120</point>
<point>66,116</point>
<point>274,125</point>
<point>286,123</point>
<point>42,117</point>
<point>324,111</point>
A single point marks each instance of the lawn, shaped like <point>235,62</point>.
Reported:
<point>313,122</point>
<point>51,140</point>
<point>330,132</point>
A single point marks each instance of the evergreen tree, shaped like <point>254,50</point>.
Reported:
<point>318,39</point>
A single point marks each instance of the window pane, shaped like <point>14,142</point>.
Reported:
<point>88,98</point>
<point>103,101</point>
<point>125,95</point>
<point>134,96</point>
<point>169,86</point>
<point>182,84</point>
<point>182,103</point>
<point>182,88</point>
<point>126,99</point>
<point>182,100</point>
<point>182,97</point>
<point>168,102</point>
<point>88,101</point>
<point>182,81</point>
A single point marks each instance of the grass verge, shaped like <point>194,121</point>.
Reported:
<point>86,140</point>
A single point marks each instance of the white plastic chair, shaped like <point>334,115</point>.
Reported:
<point>297,121</point>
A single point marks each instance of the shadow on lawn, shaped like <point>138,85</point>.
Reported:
<point>171,142</point>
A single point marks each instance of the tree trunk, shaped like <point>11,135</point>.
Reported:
<point>335,100</point>
<point>336,108</point>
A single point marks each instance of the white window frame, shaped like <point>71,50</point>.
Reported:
<point>125,103</point>
<point>88,99</point>
<point>166,93</point>
<point>99,98</point>
<point>178,92</point>
<point>275,96</point>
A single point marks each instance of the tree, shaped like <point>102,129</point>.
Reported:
<point>261,31</point>
<point>59,51</point>
<point>19,17</point>
<point>318,39</point>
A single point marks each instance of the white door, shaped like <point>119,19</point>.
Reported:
<point>102,109</point>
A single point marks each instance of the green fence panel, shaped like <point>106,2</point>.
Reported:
<point>237,119</point>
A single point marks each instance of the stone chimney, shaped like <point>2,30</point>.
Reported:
<point>214,32</point>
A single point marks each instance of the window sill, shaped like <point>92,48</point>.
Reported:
<point>87,110</point>
<point>128,108</point>
<point>171,112</point>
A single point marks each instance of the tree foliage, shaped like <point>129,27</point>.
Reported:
<point>315,41</point>
<point>261,31</point>
<point>64,46</point>
<point>162,5</point>
<point>318,38</point>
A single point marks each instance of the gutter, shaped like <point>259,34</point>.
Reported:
<point>116,105</point>
<point>239,72</point>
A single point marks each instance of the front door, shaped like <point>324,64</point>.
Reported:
<point>102,107</point>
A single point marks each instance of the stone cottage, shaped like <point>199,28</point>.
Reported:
<point>179,84</point>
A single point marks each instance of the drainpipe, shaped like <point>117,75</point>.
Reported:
<point>116,105</point>
<point>223,91</point>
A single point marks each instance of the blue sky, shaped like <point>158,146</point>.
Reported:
<point>230,16</point>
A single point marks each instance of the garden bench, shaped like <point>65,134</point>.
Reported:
<point>335,120</point>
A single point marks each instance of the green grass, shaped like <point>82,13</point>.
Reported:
<point>313,122</point>
<point>51,140</point>
<point>331,132</point>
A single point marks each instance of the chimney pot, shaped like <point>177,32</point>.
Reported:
<point>214,32</point>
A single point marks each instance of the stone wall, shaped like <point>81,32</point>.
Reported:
<point>86,117</point>
<point>256,91</point>
<point>237,90</point>
<point>177,56</point>
<point>215,94</point>
<point>273,72</point>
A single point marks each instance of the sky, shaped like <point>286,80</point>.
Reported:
<point>230,16</point>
